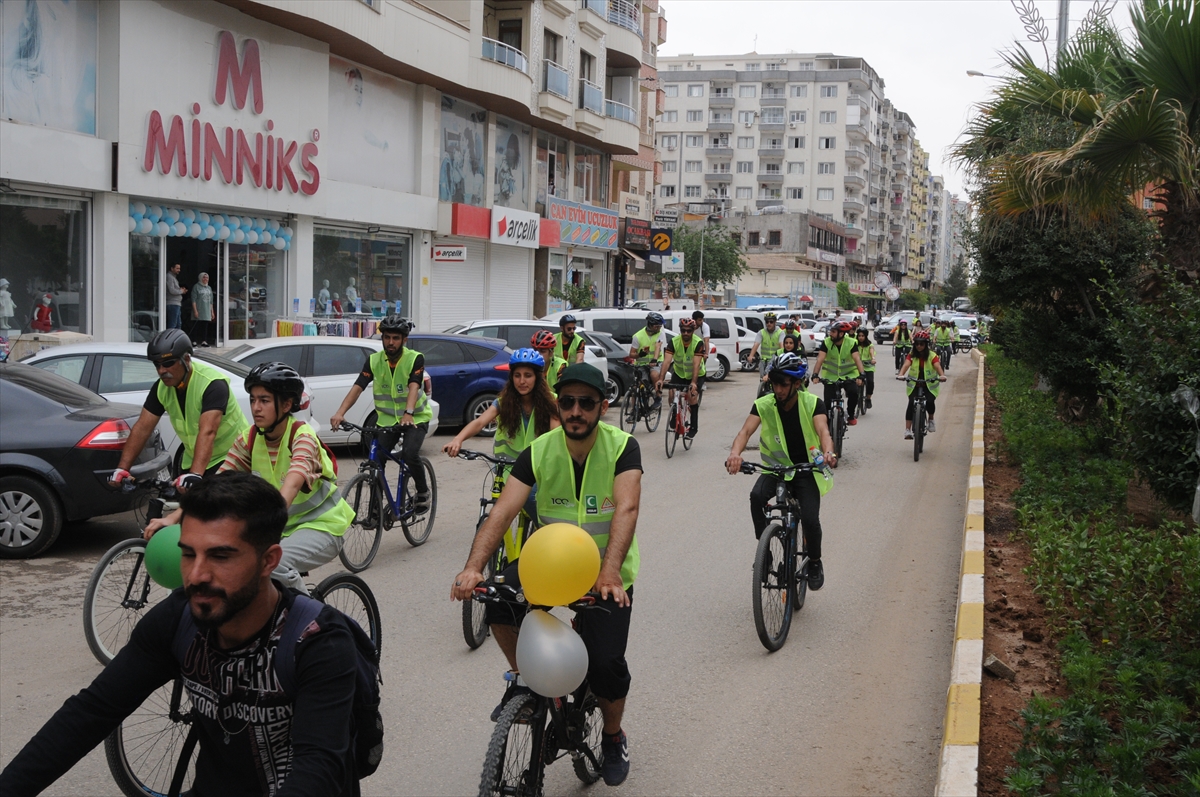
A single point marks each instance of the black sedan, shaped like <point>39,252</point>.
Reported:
<point>59,443</point>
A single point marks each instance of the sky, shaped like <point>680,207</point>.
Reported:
<point>921,49</point>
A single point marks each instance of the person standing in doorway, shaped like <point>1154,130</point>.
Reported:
<point>203,311</point>
<point>174,298</point>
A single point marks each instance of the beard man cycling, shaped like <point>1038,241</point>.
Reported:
<point>845,363</point>
<point>684,362</point>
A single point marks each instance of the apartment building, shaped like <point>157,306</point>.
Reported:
<point>960,212</point>
<point>324,161</point>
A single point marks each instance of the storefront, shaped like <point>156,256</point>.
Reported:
<point>580,253</point>
<point>43,257</point>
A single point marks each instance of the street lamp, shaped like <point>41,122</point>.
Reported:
<point>977,73</point>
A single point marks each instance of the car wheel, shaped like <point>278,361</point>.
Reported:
<point>30,517</point>
<point>613,390</point>
<point>478,406</point>
<point>722,370</point>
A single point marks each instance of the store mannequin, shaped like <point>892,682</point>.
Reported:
<point>351,293</point>
<point>323,297</point>
<point>42,320</point>
<point>8,308</point>
<point>336,306</point>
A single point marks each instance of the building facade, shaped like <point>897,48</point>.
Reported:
<point>323,162</point>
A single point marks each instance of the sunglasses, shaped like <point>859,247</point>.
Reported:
<point>586,403</point>
<point>163,365</point>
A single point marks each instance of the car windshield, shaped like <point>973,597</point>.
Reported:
<point>607,341</point>
<point>51,386</point>
<point>237,369</point>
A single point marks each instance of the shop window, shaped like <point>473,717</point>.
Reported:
<point>145,281</point>
<point>43,244</point>
<point>463,168</point>
<point>553,172</point>
<point>589,176</point>
<point>373,268</point>
<point>512,164</point>
<point>257,293</point>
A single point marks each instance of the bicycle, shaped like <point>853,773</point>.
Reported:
<point>474,626</point>
<point>838,422</point>
<point>365,493</point>
<point>153,751</point>
<point>943,351</point>
<point>639,404</point>
<point>781,560</point>
<point>901,351</point>
<point>534,731</point>
<point>679,422</point>
<point>920,416</point>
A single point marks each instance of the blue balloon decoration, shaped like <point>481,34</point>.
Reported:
<point>187,216</point>
<point>180,228</point>
<point>265,237</point>
<point>162,228</point>
<point>139,208</point>
<point>145,226</point>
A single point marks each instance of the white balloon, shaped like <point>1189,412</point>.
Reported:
<point>133,223</point>
<point>172,215</point>
<point>287,232</point>
<point>210,232</point>
<point>195,230</point>
<point>252,237</point>
<point>280,244</point>
<point>237,237</point>
<point>265,237</point>
<point>139,208</point>
<point>162,228</point>
<point>187,216</point>
<point>551,657</point>
<point>180,228</point>
<point>217,220</point>
<point>222,233</point>
<point>203,218</point>
<point>233,221</point>
<point>273,225</point>
<point>154,210</point>
<point>145,226</point>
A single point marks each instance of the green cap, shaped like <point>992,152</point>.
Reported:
<point>584,374</point>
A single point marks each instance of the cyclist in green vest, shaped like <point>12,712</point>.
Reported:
<point>397,374</point>
<point>286,452</point>
<point>647,348</point>
<point>198,400</point>
<point>794,429</point>
<point>570,345</point>
<point>545,344</point>
<point>941,337</point>
<point>589,474</point>
<point>923,364</point>
<point>866,350</point>
<point>845,363</point>
<point>684,362</point>
<point>770,340</point>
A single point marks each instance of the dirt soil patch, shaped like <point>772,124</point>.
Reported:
<point>1014,628</point>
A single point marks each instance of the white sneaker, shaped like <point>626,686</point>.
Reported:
<point>908,435</point>
<point>929,427</point>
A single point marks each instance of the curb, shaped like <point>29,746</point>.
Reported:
<point>959,762</point>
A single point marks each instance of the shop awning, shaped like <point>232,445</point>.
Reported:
<point>805,298</point>
<point>638,260</point>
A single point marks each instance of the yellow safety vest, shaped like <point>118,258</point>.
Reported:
<point>391,389</point>
<point>188,428</point>
<point>320,508</point>
<point>772,445</point>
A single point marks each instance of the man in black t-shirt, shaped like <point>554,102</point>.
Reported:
<point>254,738</point>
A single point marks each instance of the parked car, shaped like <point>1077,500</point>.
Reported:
<point>885,327</point>
<point>121,372</point>
<point>517,333</point>
<point>620,373</point>
<point>329,366</point>
<point>59,443</point>
<point>467,373</point>
<point>750,320</point>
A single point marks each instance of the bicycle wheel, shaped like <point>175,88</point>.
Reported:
<point>351,596</point>
<point>118,595</point>
<point>687,427</point>
<point>862,399</point>
<point>514,763</point>
<point>651,414</point>
<point>628,415</point>
<point>801,591</point>
<point>417,526</point>
<point>589,725</point>
<point>475,629</point>
<point>145,749</point>
<point>918,430</point>
<point>837,427</point>
<point>672,435</point>
<point>772,585</point>
<point>361,541</point>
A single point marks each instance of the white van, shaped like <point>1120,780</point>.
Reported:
<point>623,324</point>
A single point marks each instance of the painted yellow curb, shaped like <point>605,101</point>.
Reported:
<point>974,522</point>
<point>962,715</point>
<point>972,562</point>
<point>970,621</point>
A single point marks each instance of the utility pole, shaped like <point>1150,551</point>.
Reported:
<point>1064,20</point>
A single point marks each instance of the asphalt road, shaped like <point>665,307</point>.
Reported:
<point>852,705</point>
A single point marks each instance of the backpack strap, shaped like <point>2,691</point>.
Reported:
<point>303,612</point>
<point>185,632</point>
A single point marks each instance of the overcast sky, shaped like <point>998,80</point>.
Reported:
<point>921,49</point>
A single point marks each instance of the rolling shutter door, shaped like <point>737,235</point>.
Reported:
<point>457,288</point>
<point>510,294</point>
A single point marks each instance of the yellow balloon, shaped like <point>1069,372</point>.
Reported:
<point>559,563</point>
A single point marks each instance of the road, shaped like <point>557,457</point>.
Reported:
<point>852,705</point>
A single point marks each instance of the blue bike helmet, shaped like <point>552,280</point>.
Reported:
<point>654,320</point>
<point>789,363</point>
<point>526,357</point>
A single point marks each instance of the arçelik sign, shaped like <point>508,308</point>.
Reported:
<point>194,149</point>
<point>515,227</point>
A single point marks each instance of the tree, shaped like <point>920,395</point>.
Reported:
<point>723,260</point>
<point>913,300</point>
<point>576,296</point>
<point>845,298</point>
<point>956,283</point>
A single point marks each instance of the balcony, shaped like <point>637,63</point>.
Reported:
<point>854,231</point>
<point>771,152</point>
<point>854,256</point>
<point>771,177</point>
<point>776,101</point>
<point>858,130</point>
<point>624,39</point>
<point>589,117</point>
<point>620,111</point>
<point>900,166</point>
<point>859,100</point>
<point>717,177</point>
<point>650,59</point>
<point>896,229</point>
<point>895,247</point>
<point>854,181</point>
<point>662,31</point>
<point>593,17</point>
<point>720,127</point>
<point>720,101</point>
<point>767,202</point>
<point>898,186</point>
<point>501,53</point>
<point>771,127</point>
<point>853,205</point>
<point>501,70</point>
<point>554,99</point>
<point>856,155</point>
<point>719,152</point>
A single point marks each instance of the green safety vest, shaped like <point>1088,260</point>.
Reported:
<point>681,358</point>
<point>772,445</point>
<point>391,389</point>
<point>904,337</point>
<point>923,369</point>
<point>867,355</point>
<point>840,361</point>
<point>188,428</point>
<point>505,446</point>
<point>321,508</point>
<point>772,343</point>
<point>593,509</point>
<point>645,346</point>
<point>572,349</point>
<point>941,336</point>
<point>553,369</point>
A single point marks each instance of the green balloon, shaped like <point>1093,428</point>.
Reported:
<point>163,558</point>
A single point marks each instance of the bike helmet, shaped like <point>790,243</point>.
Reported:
<point>687,325</point>
<point>654,320</point>
<point>168,344</point>
<point>567,319</point>
<point>788,363</point>
<point>281,380</point>
<point>902,323</point>
<point>526,357</point>
<point>395,323</point>
<point>790,324</point>
<point>843,327</point>
<point>543,339</point>
<point>769,318</point>
<point>921,335</point>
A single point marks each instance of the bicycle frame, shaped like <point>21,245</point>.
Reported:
<point>376,460</point>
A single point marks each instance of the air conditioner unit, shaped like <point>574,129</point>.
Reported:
<point>670,147</point>
<point>749,124</point>
<point>792,125</point>
<point>691,63</point>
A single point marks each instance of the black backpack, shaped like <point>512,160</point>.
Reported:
<point>366,721</point>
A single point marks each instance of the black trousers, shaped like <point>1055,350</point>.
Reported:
<point>930,405</point>
<point>868,388</point>
<point>414,436</point>
<point>851,391</point>
<point>804,488</point>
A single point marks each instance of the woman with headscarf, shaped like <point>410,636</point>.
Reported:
<point>204,311</point>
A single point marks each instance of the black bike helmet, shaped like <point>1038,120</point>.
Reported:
<point>788,363</point>
<point>395,323</point>
<point>567,319</point>
<point>654,320</point>
<point>168,344</point>
<point>281,380</point>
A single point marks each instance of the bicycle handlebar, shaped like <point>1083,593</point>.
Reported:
<point>346,426</point>
<point>927,379</point>
<point>505,593</point>
<point>474,455</point>
<point>802,467</point>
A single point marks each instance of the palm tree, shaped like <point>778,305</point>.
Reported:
<point>1111,118</point>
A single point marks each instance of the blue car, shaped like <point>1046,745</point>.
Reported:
<point>467,373</point>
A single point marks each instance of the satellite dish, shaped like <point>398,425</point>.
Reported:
<point>882,280</point>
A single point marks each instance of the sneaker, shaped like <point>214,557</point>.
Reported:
<point>514,689</point>
<point>657,403</point>
<point>930,427</point>
<point>869,404</point>
<point>614,758</point>
<point>908,435</point>
<point>691,432</point>
<point>423,502</point>
<point>852,422</point>
<point>816,575</point>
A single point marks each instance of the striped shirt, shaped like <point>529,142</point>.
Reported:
<point>306,458</point>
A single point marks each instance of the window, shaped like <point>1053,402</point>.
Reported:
<point>745,167</point>
<point>829,91</point>
<point>795,193</point>
<point>510,33</point>
<point>795,142</point>
<point>292,355</point>
<point>670,142</point>
<point>692,191</point>
<point>753,67</point>
<point>745,193</point>
<point>337,360</point>
<point>745,142</point>
<point>671,89</point>
<point>72,368</point>
<point>695,90</point>
<point>770,193</point>
<point>825,194</point>
<point>442,352</point>
<point>828,117</point>
<point>736,237</point>
<point>773,143</point>
<point>772,168</point>
<point>722,117</point>
<point>776,66</point>
<point>772,91</point>
<point>552,47</point>
<point>45,242</point>
<point>720,91</point>
<point>829,142</point>
<point>694,141</point>
<point>798,116</point>
<point>772,116</point>
<point>377,266</point>
<point>753,239</point>
<point>1147,203</point>
<point>587,66</point>
<point>675,68</point>
<point>774,238</point>
<point>590,185</point>
<point>666,191</point>
<point>748,91</point>
<point>127,374</point>
<point>799,91</point>
<point>670,116</point>
<point>795,167</point>
<point>695,116</point>
<point>746,117</point>
<point>693,166</point>
<point>719,168</point>
<point>826,167</point>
